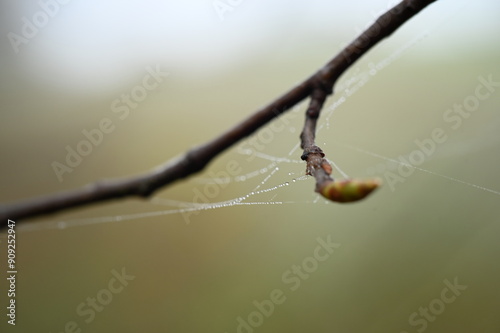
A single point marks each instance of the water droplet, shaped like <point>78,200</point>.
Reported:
<point>294,180</point>
<point>287,183</point>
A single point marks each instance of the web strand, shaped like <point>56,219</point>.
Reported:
<point>258,179</point>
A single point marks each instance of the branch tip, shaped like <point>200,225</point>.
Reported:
<point>348,190</point>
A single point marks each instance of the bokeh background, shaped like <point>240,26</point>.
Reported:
<point>201,268</point>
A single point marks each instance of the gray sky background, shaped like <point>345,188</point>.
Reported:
<point>92,46</point>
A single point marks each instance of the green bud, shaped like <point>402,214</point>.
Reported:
<point>349,190</point>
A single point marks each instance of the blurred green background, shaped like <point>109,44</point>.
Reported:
<point>397,252</point>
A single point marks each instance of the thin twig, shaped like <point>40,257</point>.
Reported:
<point>317,166</point>
<point>196,159</point>
<point>348,190</point>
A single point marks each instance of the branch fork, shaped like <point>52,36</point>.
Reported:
<point>317,87</point>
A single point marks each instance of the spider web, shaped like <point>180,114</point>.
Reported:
<point>275,173</point>
<point>260,182</point>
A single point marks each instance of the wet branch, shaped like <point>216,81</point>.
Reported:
<point>317,165</point>
<point>348,190</point>
<point>318,87</point>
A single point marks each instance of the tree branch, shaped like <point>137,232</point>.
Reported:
<point>317,166</point>
<point>318,86</point>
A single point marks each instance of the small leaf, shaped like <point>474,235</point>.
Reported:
<point>349,190</point>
